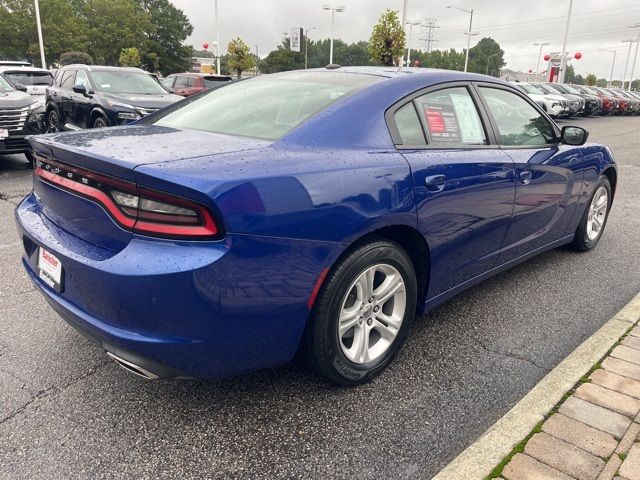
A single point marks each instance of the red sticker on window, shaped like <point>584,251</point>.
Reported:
<point>435,121</point>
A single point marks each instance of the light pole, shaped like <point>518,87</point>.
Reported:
<point>257,59</point>
<point>306,45</point>
<point>411,23</point>
<point>540,44</point>
<point>626,64</point>
<point>488,60</point>
<point>333,9</point>
<point>635,57</point>
<point>563,61</point>
<point>470,12</point>
<point>217,38</point>
<point>613,64</point>
<point>37,6</point>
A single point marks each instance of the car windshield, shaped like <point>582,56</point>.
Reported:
<point>530,89</point>
<point>30,78</point>
<point>591,90</point>
<point>571,89</point>
<point>555,88</point>
<point>267,106</point>
<point>126,81</point>
<point>4,86</point>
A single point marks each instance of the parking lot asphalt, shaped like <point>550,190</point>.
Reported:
<point>66,412</point>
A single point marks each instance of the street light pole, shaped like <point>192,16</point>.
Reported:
<point>563,61</point>
<point>411,23</point>
<point>488,60</point>
<point>333,9</point>
<point>257,59</point>
<point>306,45</point>
<point>626,65</point>
<point>37,6</point>
<point>540,44</point>
<point>635,57</point>
<point>217,39</point>
<point>469,34</point>
<point>613,64</point>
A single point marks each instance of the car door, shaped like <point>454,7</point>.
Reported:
<point>181,85</point>
<point>80,104</point>
<point>64,95</point>
<point>464,184</point>
<point>547,187</point>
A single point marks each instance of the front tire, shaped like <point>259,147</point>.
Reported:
<point>100,122</point>
<point>53,121</point>
<point>595,217</point>
<point>363,313</point>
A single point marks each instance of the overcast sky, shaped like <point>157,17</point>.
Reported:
<point>515,24</point>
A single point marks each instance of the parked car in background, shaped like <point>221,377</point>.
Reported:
<point>609,104</point>
<point>14,63</point>
<point>576,103</point>
<point>592,103</point>
<point>621,105</point>
<point>20,115</point>
<point>634,103</point>
<point>36,80</point>
<point>316,211</point>
<point>553,105</point>
<point>187,84</point>
<point>85,96</point>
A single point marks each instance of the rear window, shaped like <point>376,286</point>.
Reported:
<point>267,106</point>
<point>30,78</point>
<point>212,82</point>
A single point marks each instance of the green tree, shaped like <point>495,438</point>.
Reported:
<point>240,57</point>
<point>591,79</point>
<point>70,58</point>
<point>578,80</point>
<point>130,57</point>
<point>601,82</point>
<point>486,57</point>
<point>168,28</point>
<point>113,25</point>
<point>387,42</point>
<point>570,74</point>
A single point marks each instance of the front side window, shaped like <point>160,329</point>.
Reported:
<point>451,117</point>
<point>67,79</point>
<point>81,79</point>
<point>518,122</point>
<point>167,82</point>
<point>266,106</point>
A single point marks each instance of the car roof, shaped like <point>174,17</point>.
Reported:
<point>199,74</point>
<point>92,68</point>
<point>15,63</point>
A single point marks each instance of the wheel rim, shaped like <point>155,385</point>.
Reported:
<point>597,213</point>
<point>53,122</point>
<point>100,123</point>
<point>372,313</point>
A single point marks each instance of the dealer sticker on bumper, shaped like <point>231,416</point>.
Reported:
<point>49,269</point>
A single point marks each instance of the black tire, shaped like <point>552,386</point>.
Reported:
<point>581,241</point>
<point>322,345</point>
<point>100,122</point>
<point>53,121</point>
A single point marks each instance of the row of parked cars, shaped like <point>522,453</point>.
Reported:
<point>563,101</point>
<point>35,100</point>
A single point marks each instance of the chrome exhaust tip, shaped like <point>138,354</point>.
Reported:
<point>132,367</point>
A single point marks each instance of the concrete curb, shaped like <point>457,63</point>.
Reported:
<point>479,459</point>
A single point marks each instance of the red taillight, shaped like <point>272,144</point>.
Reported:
<point>140,210</point>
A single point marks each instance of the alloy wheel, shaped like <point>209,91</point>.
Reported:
<point>597,213</point>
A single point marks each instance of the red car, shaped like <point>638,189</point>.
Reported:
<point>187,84</point>
<point>610,104</point>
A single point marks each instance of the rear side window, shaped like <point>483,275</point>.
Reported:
<point>451,117</point>
<point>181,82</point>
<point>518,122</point>
<point>409,126</point>
<point>213,82</point>
<point>67,79</point>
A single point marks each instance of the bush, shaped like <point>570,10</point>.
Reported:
<point>130,57</point>
<point>75,57</point>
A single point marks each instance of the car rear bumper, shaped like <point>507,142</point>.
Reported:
<point>175,308</point>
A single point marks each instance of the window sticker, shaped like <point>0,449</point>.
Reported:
<point>442,123</point>
<point>467,116</point>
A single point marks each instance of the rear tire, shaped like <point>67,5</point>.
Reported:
<point>595,216</point>
<point>362,314</point>
<point>100,122</point>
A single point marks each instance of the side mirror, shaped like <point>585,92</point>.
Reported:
<point>21,87</point>
<point>81,89</point>
<point>574,136</point>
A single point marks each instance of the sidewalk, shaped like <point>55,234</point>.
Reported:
<point>593,433</point>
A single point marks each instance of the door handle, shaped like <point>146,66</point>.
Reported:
<point>435,183</point>
<point>525,176</point>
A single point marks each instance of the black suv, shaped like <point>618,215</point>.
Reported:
<point>84,96</point>
<point>20,115</point>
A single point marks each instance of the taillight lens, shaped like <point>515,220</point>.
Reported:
<point>138,209</point>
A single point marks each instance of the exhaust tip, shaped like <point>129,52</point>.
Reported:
<point>132,367</point>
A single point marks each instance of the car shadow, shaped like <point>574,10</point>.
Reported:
<point>13,163</point>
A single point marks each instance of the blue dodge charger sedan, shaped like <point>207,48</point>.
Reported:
<point>319,210</point>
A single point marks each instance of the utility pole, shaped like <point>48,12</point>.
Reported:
<point>613,64</point>
<point>306,46</point>
<point>217,39</point>
<point>37,6</point>
<point>411,23</point>
<point>428,39</point>
<point>540,44</point>
<point>563,61</point>
<point>257,59</point>
<point>626,65</point>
